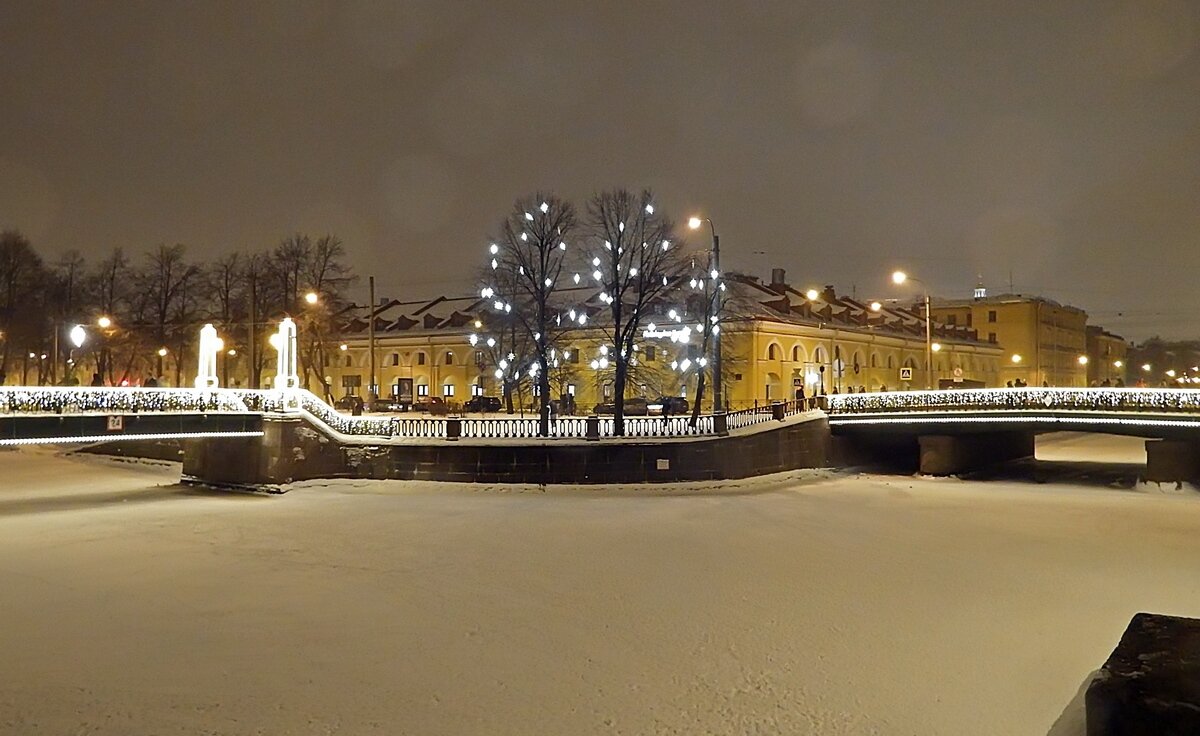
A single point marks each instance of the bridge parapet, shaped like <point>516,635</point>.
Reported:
<point>25,400</point>
<point>1138,400</point>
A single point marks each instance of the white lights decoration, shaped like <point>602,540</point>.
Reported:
<point>1159,400</point>
<point>285,364</point>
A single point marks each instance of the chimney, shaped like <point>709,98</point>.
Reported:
<point>828,294</point>
<point>778,277</point>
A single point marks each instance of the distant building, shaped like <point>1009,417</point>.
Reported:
<point>1043,341</point>
<point>1107,356</point>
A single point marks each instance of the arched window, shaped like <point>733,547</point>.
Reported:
<point>773,351</point>
<point>874,360</point>
<point>797,354</point>
<point>447,389</point>
<point>349,361</point>
<point>449,359</point>
<point>891,361</point>
<point>819,355</point>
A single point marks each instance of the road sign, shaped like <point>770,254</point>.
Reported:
<point>839,368</point>
<point>958,374</point>
<point>906,374</point>
<point>116,424</point>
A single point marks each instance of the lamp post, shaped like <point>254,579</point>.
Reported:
<point>694,223</point>
<point>900,277</point>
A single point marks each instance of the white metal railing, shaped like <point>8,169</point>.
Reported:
<point>22,400</point>
<point>1157,400</point>
<point>27,400</point>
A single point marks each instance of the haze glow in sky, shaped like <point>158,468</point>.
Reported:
<point>1053,145</point>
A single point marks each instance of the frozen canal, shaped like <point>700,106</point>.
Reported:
<point>808,603</point>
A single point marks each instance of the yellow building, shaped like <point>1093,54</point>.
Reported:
<point>1107,356</point>
<point>1043,342</point>
<point>775,341</point>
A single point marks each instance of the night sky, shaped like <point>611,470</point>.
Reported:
<point>1056,144</point>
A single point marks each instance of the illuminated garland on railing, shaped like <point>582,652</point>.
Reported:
<point>351,425</point>
<point>103,400</point>
<point>1020,399</point>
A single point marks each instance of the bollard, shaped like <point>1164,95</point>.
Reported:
<point>453,428</point>
<point>592,428</point>
<point>720,424</point>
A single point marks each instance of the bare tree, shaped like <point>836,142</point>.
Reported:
<point>634,258</point>
<point>22,321</point>
<point>167,303</point>
<point>531,252</point>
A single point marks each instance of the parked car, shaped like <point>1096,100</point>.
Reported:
<point>672,405</point>
<point>350,403</point>
<point>635,406</point>
<point>432,405</point>
<point>482,403</point>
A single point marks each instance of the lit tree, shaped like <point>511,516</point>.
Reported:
<point>634,259</point>
<point>529,258</point>
<point>703,289</point>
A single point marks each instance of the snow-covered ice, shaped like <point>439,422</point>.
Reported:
<point>811,602</point>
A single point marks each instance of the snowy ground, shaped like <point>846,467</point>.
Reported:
<point>805,603</point>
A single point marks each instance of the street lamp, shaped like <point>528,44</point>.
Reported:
<point>898,278</point>
<point>312,297</point>
<point>694,223</point>
<point>78,336</point>
<point>812,295</point>
<point>1016,358</point>
<point>104,322</point>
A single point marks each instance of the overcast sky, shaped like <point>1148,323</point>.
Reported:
<point>1053,143</point>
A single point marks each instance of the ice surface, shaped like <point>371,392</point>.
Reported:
<point>811,602</point>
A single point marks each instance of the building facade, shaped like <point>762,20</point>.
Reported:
<point>1107,357</point>
<point>1043,342</point>
<point>775,342</point>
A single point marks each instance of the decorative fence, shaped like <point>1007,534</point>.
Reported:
<point>103,400</point>
<point>1155,400</point>
<point>23,400</point>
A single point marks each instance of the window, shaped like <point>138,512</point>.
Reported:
<point>797,354</point>
<point>447,389</point>
<point>395,358</point>
<point>650,353</point>
<point>570,389</point>
<point>449,358</point>
<point>991,315</point>
<point>572,355</point>
<point>423,389</point>
<point>349,361</point>
<point>969,319</point>
<point>772,352</point>
<point>952,319</point>
<point>479,357</point>
<point>874,360</point>
<point>476,389</point>
<point>420,358</point>
<point>992,337</point>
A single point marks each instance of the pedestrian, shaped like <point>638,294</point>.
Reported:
<point>150,382</point>
<point>96,380</point>
<point>1009,385</point>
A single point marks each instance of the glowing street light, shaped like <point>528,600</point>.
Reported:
<point>104,322</point>
<point>876,306</point>
<point>312,297</point>
<point>1083,360</point>
<point>1118,364</point>
<point>162,352</point>
<point>936,347</point>
<point>898,278</point>
<point>1016,358</point>
<point>694,223</point>
<point>78,336</point>
<point>812,295</point>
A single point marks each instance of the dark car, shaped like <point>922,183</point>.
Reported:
<point>635,406</point>
<point>670,405</point>
<point>482,403</point>
<point>432,405</point>
<point>350,403</point>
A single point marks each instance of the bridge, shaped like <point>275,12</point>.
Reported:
<point>269,437</point>
<point>957,430</point>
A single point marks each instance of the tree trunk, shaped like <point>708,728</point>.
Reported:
<point>619,398</point>
<point>699,398</point>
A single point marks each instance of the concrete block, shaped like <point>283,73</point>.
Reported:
<point>1150,685</point>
